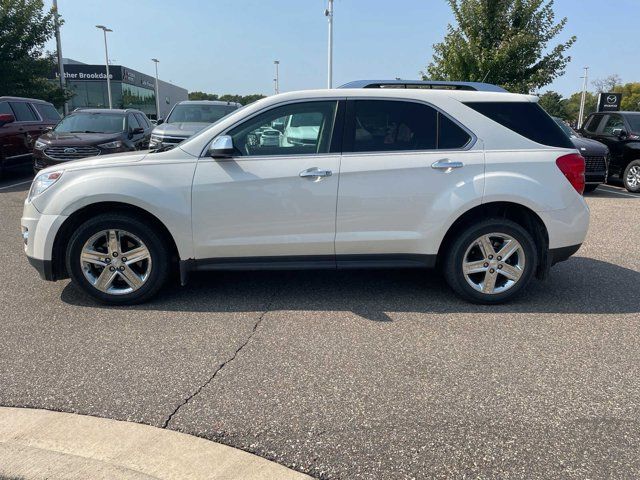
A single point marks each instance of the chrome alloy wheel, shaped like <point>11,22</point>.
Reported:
<point>633,176</point>
<point>493,263</point>
<point>115,262</point>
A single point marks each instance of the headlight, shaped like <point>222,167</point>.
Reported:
<point>42,182</point>
<point>40,145</point>
<point>115,144</point>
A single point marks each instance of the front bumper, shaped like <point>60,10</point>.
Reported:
<point>38,233</point>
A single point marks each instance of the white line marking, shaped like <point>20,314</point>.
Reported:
<point>16,184</point>
<point>624,194</point>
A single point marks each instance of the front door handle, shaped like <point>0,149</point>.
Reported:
<point>315,173</point>
<point>446,165</point>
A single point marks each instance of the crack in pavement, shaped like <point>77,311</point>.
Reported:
<point>165,424</point>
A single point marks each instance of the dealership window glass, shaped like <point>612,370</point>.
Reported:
<point>140,98</point>
<point>294,129</point>
<point>451,135</point>
<point>48,112</point>
<point>385,125</point>
<point>613,122</point>
<point>89,122</point>
<point>23,112</point>
<point>5,109</point>
<point>194,113</point>
<point>525,118</point>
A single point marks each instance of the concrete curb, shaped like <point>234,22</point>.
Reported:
<point>40,444</point>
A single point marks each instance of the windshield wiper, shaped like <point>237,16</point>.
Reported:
<point>84,131</point>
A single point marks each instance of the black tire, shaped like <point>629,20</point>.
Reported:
<point>590,188</point>
<point>454,257</point>
<point>625,177</point>
<point>159,253</point>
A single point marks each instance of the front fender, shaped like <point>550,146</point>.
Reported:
<point>162,190</point>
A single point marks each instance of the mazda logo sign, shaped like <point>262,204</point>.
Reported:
<point>612,99</point>
<point>70,150</point>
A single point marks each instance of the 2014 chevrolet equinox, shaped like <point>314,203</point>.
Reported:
<point>484,185</point>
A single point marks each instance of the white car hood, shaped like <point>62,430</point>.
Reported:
<point>99,161</point>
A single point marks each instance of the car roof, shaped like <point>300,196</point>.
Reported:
<point>120,111</point>
<point>208,102</point>
<point>24,99</point>
<point>432,84</point>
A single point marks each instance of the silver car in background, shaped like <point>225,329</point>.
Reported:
<point>187,118</point>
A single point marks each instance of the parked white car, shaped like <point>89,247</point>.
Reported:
<point>483,185</point>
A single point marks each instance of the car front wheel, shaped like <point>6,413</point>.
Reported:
<point>491,261</point>
<point>631,177</point>
<point>117,259</point>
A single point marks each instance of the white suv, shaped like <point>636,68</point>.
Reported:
<point>483,185</point>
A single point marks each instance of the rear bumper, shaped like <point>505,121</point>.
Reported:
<point>557,255</point>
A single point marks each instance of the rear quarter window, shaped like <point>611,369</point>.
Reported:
<point>47,112</point>
<point>525,118</point>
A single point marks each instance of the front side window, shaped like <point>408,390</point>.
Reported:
<point>23,112</point>
<point>386,125</point>
<point>294,129</point>
<point>614,122</point>
<point>190,113</point>
<point>48,112</point>
<point>634,122</point>
<point>92,123</point>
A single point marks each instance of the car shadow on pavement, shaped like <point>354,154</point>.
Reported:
<point>580,285</point>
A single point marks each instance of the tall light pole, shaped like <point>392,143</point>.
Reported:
<point>583,97</point>
<point>63,80</point>
<point>156,61</point>
<point>329,14</point>
<point>277,79</point>
<point>106,55</point>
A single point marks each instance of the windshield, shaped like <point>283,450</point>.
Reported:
<point>566,128</point>
<point>199,113</point>
<point>91,123</point>
<point>634,122</point>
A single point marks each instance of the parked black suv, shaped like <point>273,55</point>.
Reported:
<point>620,131</point>
<point>91,132</point>
<point>596,157</point>
<point>22,120</point>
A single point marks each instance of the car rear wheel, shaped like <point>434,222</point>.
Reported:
<point>491,261</point>
<point>631,177</point>
<point>117,259</point>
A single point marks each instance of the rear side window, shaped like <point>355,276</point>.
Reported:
<point>47,112</point>
<point>383,125</point>
<point>5,108</point>
<point>525,118</point>
<point>23,112</point>
<point>593,123</point>
<point>133,122</point>
<point>142,120</point>
<point>450,135</point>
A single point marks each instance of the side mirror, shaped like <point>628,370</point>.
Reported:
<point>136,131</point>
<point>6,118</point>
<point>222,147</point>
<point>619,132</point>
<point>160,121</point>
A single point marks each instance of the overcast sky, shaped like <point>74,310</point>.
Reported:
<point>228,46</point>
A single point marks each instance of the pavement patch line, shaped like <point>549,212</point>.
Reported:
<point>223,364</point>
<point>42,444</point>
<point>15,184</point>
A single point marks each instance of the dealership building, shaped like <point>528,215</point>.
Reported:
<point>129,88</point>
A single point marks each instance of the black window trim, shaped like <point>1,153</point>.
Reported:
<point>339,117</point>
<point>349,121</point>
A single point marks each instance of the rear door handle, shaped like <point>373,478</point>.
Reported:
<point>315,173</point>
<point>446,165</point>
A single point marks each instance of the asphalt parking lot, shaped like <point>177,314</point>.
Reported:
<point>363,375</point>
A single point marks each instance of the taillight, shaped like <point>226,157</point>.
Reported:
<point>572,166</point>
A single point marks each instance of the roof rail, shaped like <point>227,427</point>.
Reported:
<point>432,84</point>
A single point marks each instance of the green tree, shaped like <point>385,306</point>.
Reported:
<point>554,104</point>
<point>25,27</point>
<point>227,97</point>
<point>505,42</point>
<point>630,96</point>
<point>573,106</point>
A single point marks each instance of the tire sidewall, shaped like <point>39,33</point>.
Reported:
<point>159,257</point>
<point>453,266</point>
<point>634,163</point>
